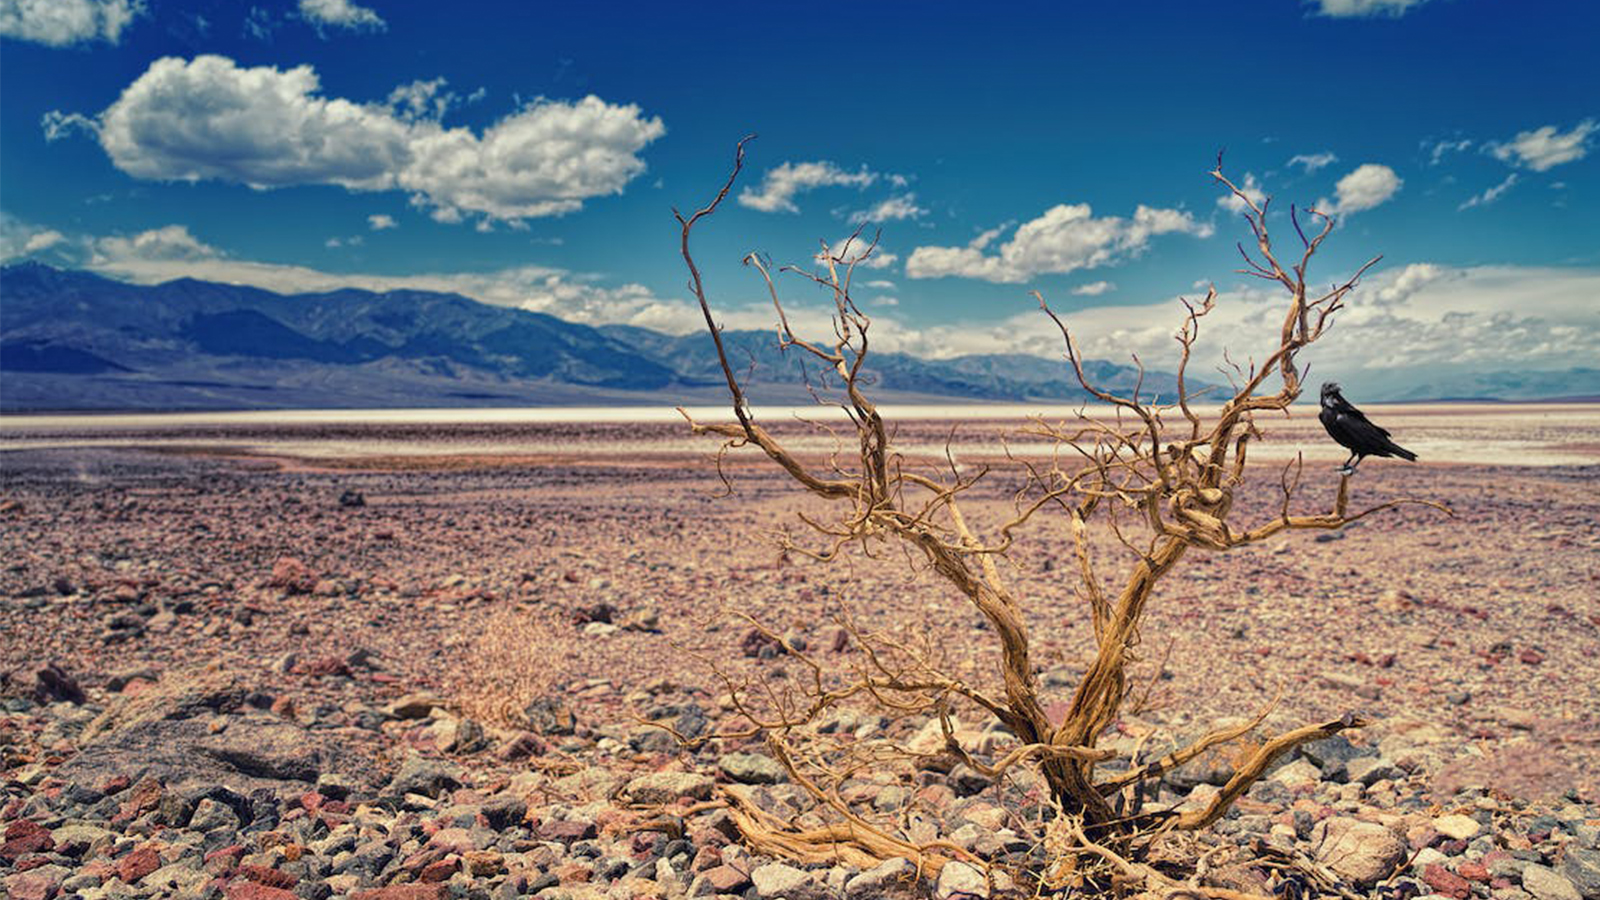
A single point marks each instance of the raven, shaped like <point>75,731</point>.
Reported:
<point>1350,428</point>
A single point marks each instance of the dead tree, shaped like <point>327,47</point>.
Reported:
<point>1161,477</point>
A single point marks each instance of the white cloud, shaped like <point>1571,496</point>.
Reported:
<point>340,14</point>
<point>896,208</point>
<point>1438,149</point>
<point>1064,239</point>
<point>1251,188</point>
<point>210,119</point>
<point>861,252</point>
<point>885,301</point>
<point>379,221</point>
<point>1491,195</point>
<point>881,284</point>
<point>1311,162</point>
<point>1368,186</point>
<point>1545,148</point>
<point>59,23</point>
<point>1343,9</point>
<point>171,243</point>
<point>19,238</point>
<point>780,185</point>
<point>1094,289</point>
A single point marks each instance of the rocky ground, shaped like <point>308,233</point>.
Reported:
<point>238,676</point>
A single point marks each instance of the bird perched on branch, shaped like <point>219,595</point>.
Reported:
<point>1350,428</point>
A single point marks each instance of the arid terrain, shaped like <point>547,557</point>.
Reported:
<point>500,606</point>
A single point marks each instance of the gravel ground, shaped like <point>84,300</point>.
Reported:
<point>285,608</point>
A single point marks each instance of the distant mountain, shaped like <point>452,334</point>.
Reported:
<point>76,340</point>
<point>1578,383</point>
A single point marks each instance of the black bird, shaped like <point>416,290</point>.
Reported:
<point>1350,428</point>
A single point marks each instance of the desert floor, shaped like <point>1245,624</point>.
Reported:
<point>484,551</point>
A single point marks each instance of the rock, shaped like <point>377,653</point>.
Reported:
<point>421,775</point>
<point>726,879</point>
<point>198,729</point>
<point>414,706</point>
<point>23,837</point>
<point>44,684</point>
<point>251,890</point>
<point>1582,868</point>
<point>352,499</point>
<point>548,716</point>
<point>776,880</point>
<point>892,879</point>
<point>1298,775</point>
<point>1362,852</point>
<point>1446,883</point>
<point>667,787</point>
<point>752,768</point>
<point>1457,827</point>
<point>1332,756</point>
<point>961,880</point>
<point>1370,770</point>
<point>292,575</point>
<point>1547,884</point>
<point>138,864</point>
<point>36,884</point>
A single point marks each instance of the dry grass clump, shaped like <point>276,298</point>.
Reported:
<point>515,657</point>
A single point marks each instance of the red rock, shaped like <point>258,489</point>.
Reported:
<point>567,831</point>
<point>251,890</point>
<point>1531,656</point>
<point>268,877</point>
<point>574,873</point>
<point>440,869</point>
<point>1446,882</point>
<point>322,667</point>
<point>25,836</point>
<point>222,860</point>
<point>144,796</point>
<point>283,705</point>
<point>1473,871</point>
<point>138,864</point>
<point>33,886</point>
<point>727,880</point>
<point>311,801</point>
<point>404,892</point>
<point>292,575</point>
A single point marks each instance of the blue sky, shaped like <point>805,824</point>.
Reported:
<point>529,154</point>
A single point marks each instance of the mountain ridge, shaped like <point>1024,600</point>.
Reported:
<point>71,339</point>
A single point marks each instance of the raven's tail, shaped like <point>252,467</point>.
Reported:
<point>1403,453</point>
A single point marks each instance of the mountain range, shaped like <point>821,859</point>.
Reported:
<point>76,340</point>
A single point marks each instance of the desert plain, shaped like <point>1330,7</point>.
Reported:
<point>382,655</point>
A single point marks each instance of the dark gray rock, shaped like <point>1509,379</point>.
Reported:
<point>198,730</point>
<point>1582,868</point>
<point>421,775</point>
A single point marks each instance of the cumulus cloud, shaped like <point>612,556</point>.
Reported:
<point>1311,162</point>
<point>60,23</point>
<point>340,14</point>
<point>208,118</point>
<point>1094,288</point>
<point>1250,188</point>
<point>779,186</point>
<point>1345,9</point>
<point>893,209</point>
<point>1491,195</point>
<point>19,239</point>
<point>859,252</point>
<point>1545,148</point>
<point>171,243</point>
<point>1368,186</point>
<point>1067,237</point>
